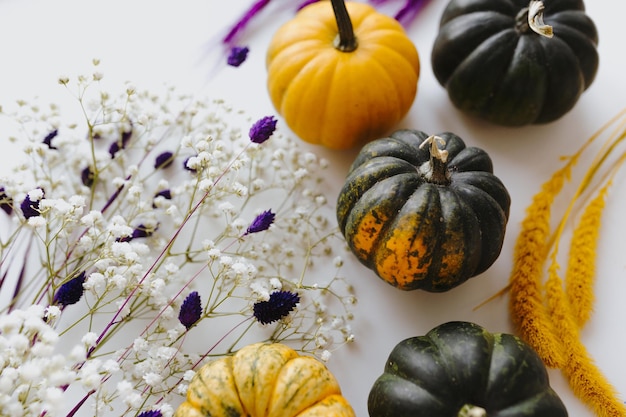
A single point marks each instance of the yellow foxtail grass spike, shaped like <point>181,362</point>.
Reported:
<point>585,378</point>
<point>581,265</point>
<point>564,311</point>
<point>531,249</point>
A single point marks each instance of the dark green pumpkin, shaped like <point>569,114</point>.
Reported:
<point>420,222</point>
<point>460,369</point>
<point>495,66</point>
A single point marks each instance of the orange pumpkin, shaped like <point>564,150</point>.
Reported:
<point>264,380</point>
<point>341,74</point>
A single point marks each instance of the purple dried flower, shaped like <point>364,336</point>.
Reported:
<point>243,22</point>
<point>409,11</point>
<point>166,194</point>
<point>87,176</point>
<point>164,160</point>
<point>121,143</point>
<point>143,231</point>
<point>262,129</point>
<point>30,208</point>
<point>70,292</point>
<point>48,139</point>
<point>139,231</point>
<point>262,222</point>
<point>151,413</point>
<point>280,304</point>
<point>186,166</point>
<point>237,56</point>
<point>191,310</point>
<point>6,202</point>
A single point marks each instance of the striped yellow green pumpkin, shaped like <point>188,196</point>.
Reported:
<point>264,380</point>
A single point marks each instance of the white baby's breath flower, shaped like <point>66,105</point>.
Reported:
<point>159,253</point>
<point>152,379</point>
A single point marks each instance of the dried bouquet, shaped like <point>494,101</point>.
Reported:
<point>143,234</point>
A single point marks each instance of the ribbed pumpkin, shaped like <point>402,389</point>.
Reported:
<point>341,74</point>
<point>420,216</point>
<point>459,369</point>
<point>515,62</point>
<point>264,380</point>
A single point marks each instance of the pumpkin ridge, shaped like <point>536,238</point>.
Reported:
<point>563,71</point>
<point>481,72</point>
<point>528,98</point>
<point>306,83</point>
<point>381,207</point>
<point>365,177</point>
<point>489,215</point>
<point>413,230</point>
<point>330,72</point>
<point>459,252</point>
<point>285,378</point>
<point>460,334</point>
<point>582,48</point>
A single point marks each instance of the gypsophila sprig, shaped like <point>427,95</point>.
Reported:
<point>136,243</point>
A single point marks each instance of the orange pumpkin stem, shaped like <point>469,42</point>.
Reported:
<point>436,169</point>
<point>345,41</point>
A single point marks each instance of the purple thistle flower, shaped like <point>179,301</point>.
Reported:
<point>237,56</point>
<point>280,304</point>
<point>143,231</point>
<point>6,202</point>
<point>48,139</point>
<point>166,194</point>
<point>151,413</point>
<point>262,222</point>
<point>121,143</point>
<point>70,292</point>
<point>30,208</point>
<point>186,166</point>
<point>262,129</point>
<point>87,176</point>
<point>191,310</point>
<point>139,231</point>
<point>164,160</point>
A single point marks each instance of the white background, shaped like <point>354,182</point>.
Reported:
<point>151,42</point>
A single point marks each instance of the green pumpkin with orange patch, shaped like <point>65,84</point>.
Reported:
<point>423,212</point>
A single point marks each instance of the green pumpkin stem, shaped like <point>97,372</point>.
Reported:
<point>345,41</point>
<point>436,169</point>
<point>469,410</point>
<point>531,18</point>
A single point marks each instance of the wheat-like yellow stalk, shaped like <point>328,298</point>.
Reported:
<point>585,378</point>
<point>550,321</point>
<point>581,265</point>
<point>531,249</point>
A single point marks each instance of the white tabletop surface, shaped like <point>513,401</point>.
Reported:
<point>151,42</point>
